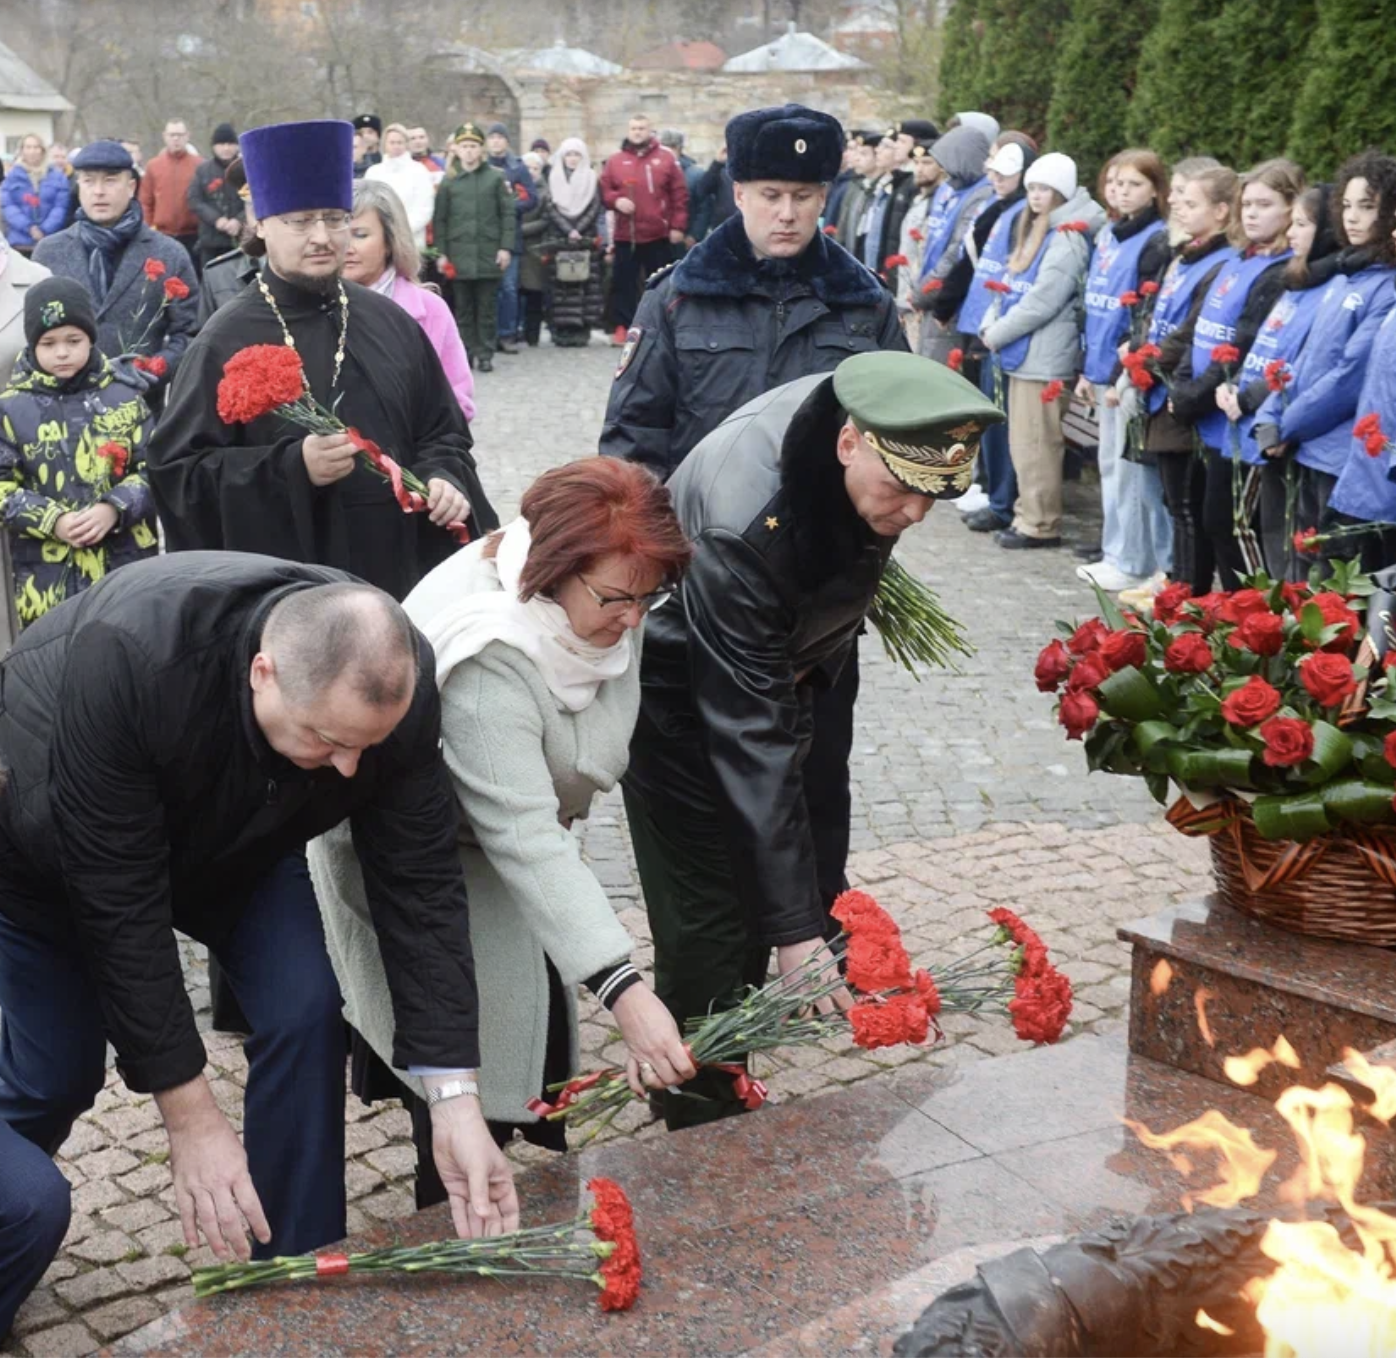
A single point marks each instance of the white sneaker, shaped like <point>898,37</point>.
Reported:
<point>1144,593</point>
<point>1110,578</point>
<point>973,499</point>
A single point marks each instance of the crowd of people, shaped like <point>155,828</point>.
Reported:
<point>1224,328</point>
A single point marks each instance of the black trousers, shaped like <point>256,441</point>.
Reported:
<point>633,265</point>
<point>705,949</point>
<point>1184,477</point>
<point>1235,556</point>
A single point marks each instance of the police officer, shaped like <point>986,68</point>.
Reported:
<point>766,298</point>
<point>793,506</point>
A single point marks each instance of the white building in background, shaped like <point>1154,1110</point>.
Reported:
<point>793,51</point>
<point>28,103</point>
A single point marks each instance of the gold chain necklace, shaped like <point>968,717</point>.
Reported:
<point>290,339</point>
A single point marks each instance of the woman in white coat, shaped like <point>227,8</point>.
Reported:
<point>535,630</point>
<point>408,179</point>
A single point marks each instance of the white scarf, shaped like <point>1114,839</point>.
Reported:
<point>572,194</point>
<point>460,622</point>
<point>385,281</point>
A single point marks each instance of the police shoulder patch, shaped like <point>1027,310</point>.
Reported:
<point>660,274</point>
<point>633,336</point>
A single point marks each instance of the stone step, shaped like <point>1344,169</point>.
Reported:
<point>1208,983</point>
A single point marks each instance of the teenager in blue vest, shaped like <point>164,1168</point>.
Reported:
<point>987,248</point>
<point>1136,536</point>
<point>1235,308</point>
<point>1033,337</point>
<point>1366,489</point>
<point>1281,340</point>
<point>1313,416</point>
<point>1200,216</point>
<point>962,195</point>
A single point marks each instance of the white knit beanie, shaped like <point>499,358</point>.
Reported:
<point>1056,171</point>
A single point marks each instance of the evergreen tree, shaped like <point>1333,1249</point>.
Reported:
<point>962,56</point>
<point>1181,104</point>
<point>1018,55</point>
<point>1262,43</point>
<point>1093,80</point>
<point>1344,103</point>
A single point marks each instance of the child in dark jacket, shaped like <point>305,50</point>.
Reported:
<point>73,429</point>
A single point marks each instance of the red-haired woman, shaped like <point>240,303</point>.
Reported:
<point>539,678</point>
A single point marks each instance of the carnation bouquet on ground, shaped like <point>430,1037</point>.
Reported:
<point>1270,693</point>
<point>893,1004</point>
<point>609,1258</point>
<point>267,379</point>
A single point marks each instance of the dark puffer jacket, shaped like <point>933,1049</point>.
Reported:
<point>143,798</point>
<point>576,306</point>
<point>782,576</point>
<point>210,197</point>
<point>721,327</point>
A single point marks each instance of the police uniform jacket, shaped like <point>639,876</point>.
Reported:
<point>721,327</point>
<point>783,574</point>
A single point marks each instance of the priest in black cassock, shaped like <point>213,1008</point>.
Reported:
<point>268,486</point>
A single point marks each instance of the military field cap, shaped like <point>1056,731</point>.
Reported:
<point>864,136</point>
<point>921,419</point>
<point>468,132</point>
<point>922,129</point>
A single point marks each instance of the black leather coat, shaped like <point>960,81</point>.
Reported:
<point>721,327</point>
<point>783,573</point>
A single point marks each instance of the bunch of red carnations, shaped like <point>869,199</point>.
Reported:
<point>893,1004</point>
<point>1268,692</point>
<point>609,1259</point>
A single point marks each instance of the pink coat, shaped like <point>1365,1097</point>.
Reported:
<point>434,316</point>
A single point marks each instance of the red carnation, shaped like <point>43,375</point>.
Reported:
<point>1328,678</point>
<point>932,285</point>
<point>903,1018</point>
<point>214,185</point>
<point>258,379</point>
<point>1130,298</point>
<point>1081,227</point>
<point>32,199</point>
<point>1288,741</point>
<point>1089,672</point>
<point>1260,633</point>
<point>1087,637</point>
<point>916,234</point>
<point>1053,665</point>
<point>1078,713</point>
<point>926,990</point>
<point>448,270</point>
<point>997,285</point>
<point>876,959</point>
<point>1041,1006</point>
<point>157,366</point>
<point>1306,541</point>
<point>1188,654</point>
<point>1121,649</point>
<point>1052,391</point>
<point>520,193</point>
<point>1240,604</point>
<point>831,230</point>
<point>852,907</point>
<point>1148,289</point>
<point>1252,703</point>
<point>1373,437</point>
<point>1021,935</point>
<point>895,262</point>
<point>154,269</point>
<point>1226,354</point>
<point>1334,608</point>
<point>1278,375</point>
<point>613,1221</point>
<point>117,456</point>
<point>176,289</point>
<point>1142,378</point>
<point>955,360</point>
<point>1149,351</point>
<point>1168,602</point>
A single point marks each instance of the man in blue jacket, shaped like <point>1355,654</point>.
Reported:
<point>525,197</point>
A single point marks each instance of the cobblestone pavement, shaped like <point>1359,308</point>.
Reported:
<point>965,796</point>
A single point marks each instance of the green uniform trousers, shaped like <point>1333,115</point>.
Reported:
<point>477,310</point>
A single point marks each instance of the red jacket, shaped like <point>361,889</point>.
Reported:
<point>653,180</point>
<point>164,193</point>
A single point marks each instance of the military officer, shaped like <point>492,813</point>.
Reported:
<point>793,505</point>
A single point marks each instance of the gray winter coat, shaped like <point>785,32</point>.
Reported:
<point>133,301</point>
<point>1051,310</point>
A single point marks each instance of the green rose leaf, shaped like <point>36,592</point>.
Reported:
<point>1299,816</point>
<point>1129,696</point>
<point>1358,802</point>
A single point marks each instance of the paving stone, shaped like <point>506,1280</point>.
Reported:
<point>87,1289</point>
<point>145,1274</point>
<point>145,1180</point>
<point>92,1197</point>
<point>121,1317</point>
<point>104,1247</point>
<point>161,1237</point>
<point>394,1162</point>
<point>41,1310</point>
<point>108,1163</point>
<point>135,1216</point>
<point>62,1341</point>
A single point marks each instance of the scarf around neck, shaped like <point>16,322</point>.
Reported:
<point>572,193</point>
<point>104,245</point>
<point>385,282</point>
<point>460,620</point>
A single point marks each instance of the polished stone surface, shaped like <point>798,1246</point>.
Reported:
<point>1208,983</point>
<point>822,1226</point>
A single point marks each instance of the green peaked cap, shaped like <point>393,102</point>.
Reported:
<point>921,419</point>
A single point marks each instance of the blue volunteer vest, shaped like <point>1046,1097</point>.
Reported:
<point>1172,303</point>
<point>992,262</point>
<point>1280,340</point>
<point>1365,488</point>
<point>1011,356</point>
<point>1347,301</point>
<point>1217,325</point>
<point>1114,269</point>
<point>940,223</point>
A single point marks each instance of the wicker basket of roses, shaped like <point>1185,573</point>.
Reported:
<point>1263,718</point>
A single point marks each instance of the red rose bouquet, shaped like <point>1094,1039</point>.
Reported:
<point>893,1004</point>
<point>267,379</point>
<point>609,1260</point>
<point>1271,692</point>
